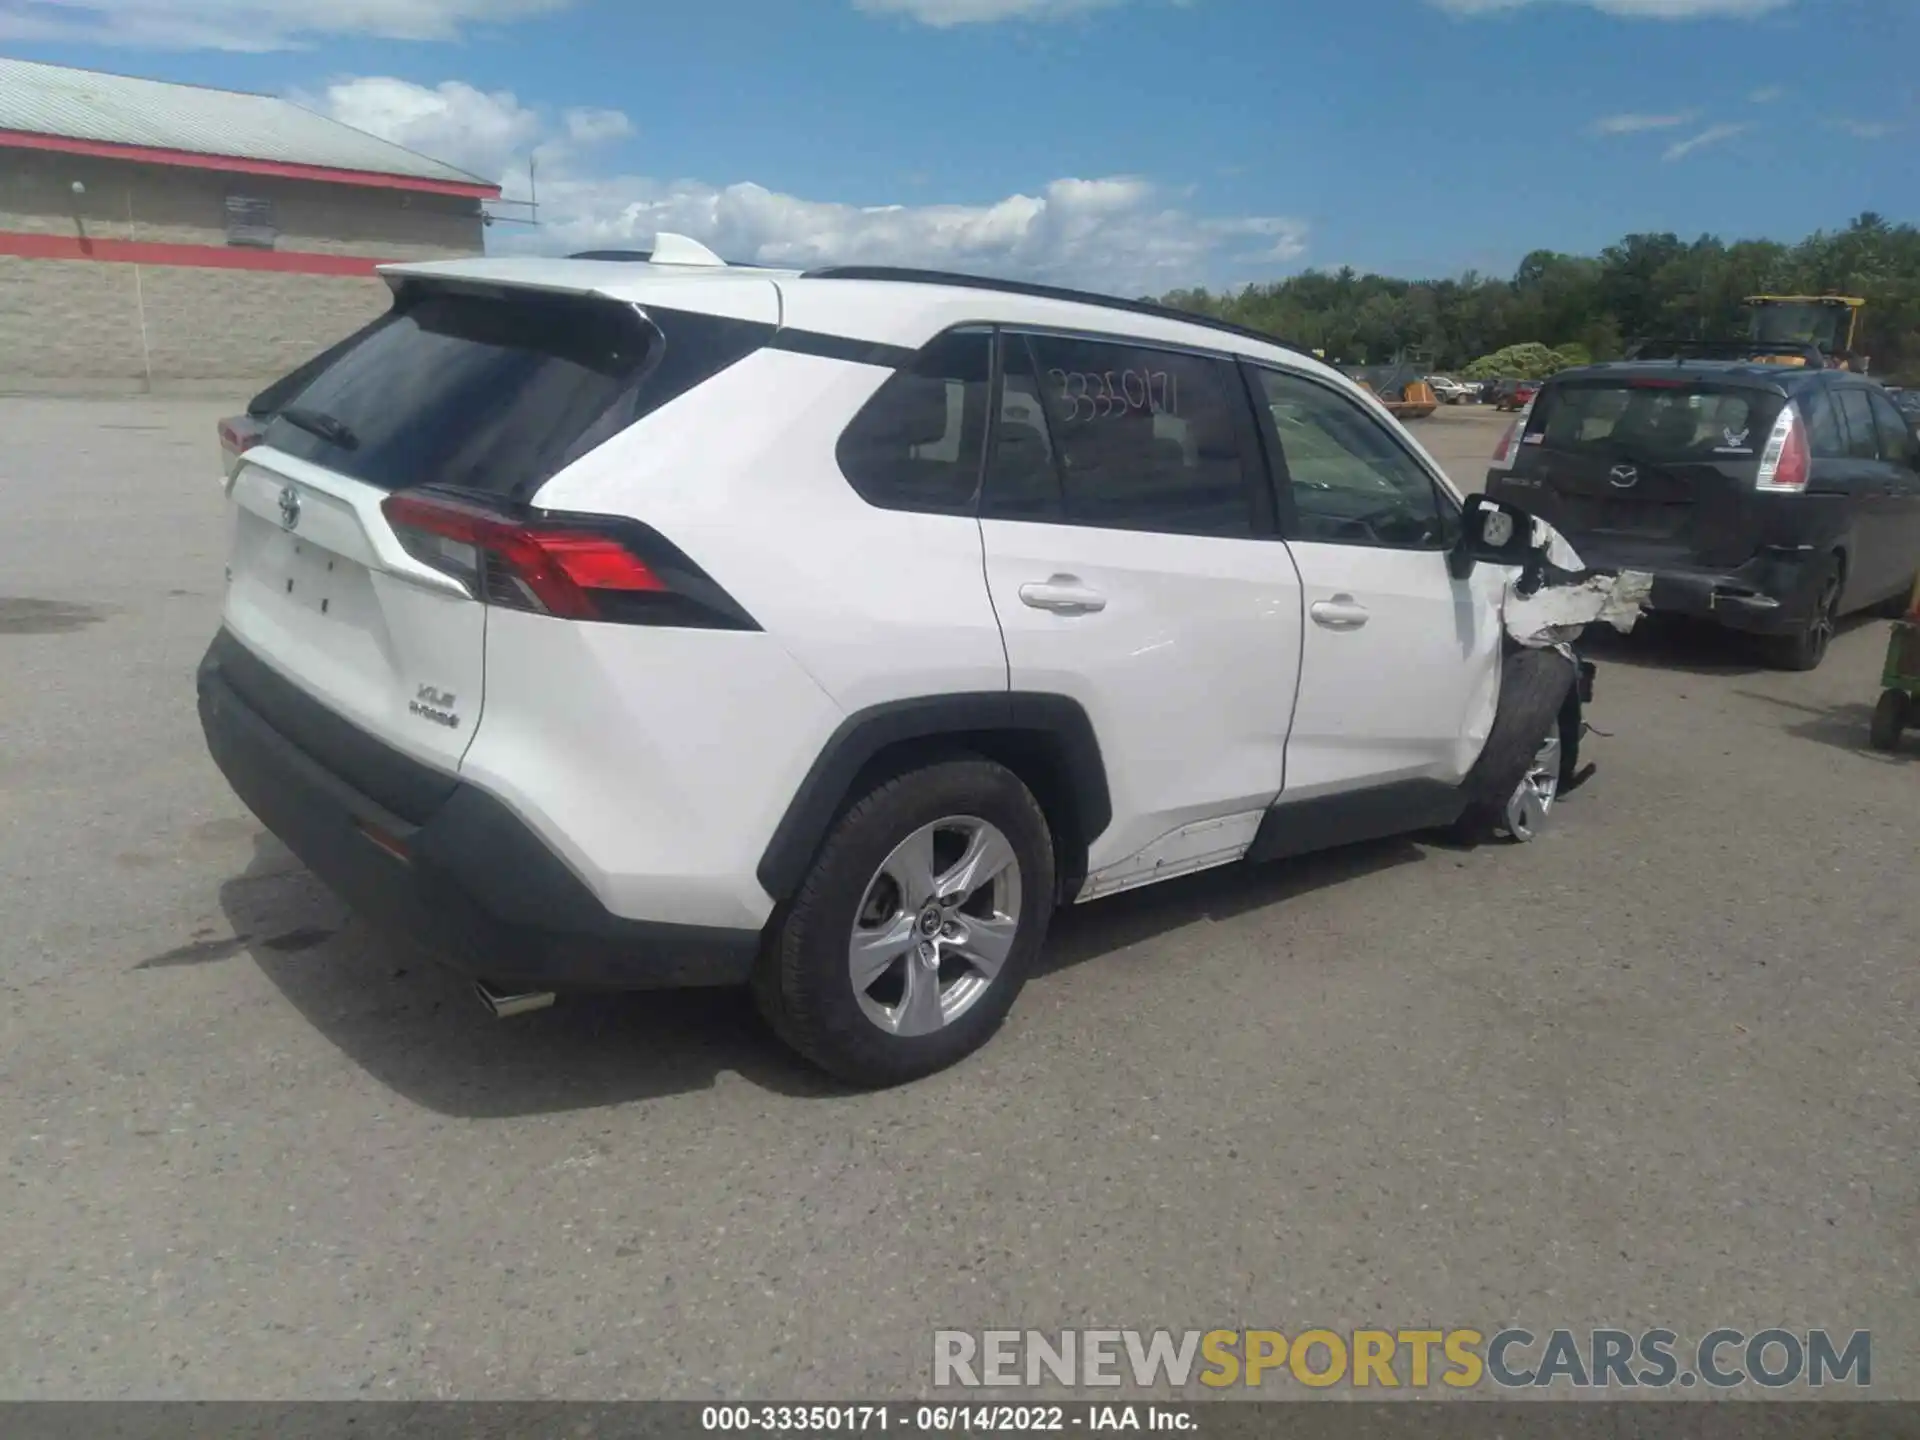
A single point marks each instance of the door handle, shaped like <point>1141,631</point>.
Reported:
<point>1342,612</point>
<point>1064,595</point>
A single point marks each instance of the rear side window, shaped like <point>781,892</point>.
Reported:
<point>1896,434</point>
<point>1656,422</point>
<point>916,445</point>
<point>1120,437</point>
<point>496,394</point>
<point>1828,440</point>
<point>1857,411</point>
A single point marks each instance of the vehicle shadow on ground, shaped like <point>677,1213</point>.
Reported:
<point>1689,646</point>
<point>1671,642</point>
<point>1087,932</point>
<point>416,1027</point>
<point>1844,727</point>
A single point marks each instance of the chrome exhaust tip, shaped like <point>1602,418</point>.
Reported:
<point>503,1007</point>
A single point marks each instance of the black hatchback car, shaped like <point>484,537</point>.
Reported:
<point>1769,499</point>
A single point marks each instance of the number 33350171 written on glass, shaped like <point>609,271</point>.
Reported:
<point>1111,394</point>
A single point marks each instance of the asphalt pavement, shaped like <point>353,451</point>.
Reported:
<point>1657,1069</point>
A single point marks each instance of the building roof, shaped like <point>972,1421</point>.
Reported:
<point>54,107</point>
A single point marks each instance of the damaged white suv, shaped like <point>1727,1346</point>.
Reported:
<point>628,624</point>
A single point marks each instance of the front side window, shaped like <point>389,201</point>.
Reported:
<point>1120,437</point>
<point>916,444</point>
<point>1350,482</point>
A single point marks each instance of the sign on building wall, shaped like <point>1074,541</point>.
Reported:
<point>250,222</point>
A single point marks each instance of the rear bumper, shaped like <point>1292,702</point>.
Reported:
<point>1772,593</point>
<point>471,881</point>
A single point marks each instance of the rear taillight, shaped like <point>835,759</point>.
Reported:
<point>569,567</point>
<point>1786,463</point>
<point>238,434</point>
<point>1508,450</point>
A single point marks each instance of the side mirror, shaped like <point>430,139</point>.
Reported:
<point>1493,532</point>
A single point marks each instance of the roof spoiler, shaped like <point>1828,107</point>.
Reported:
<point>1811,356</point>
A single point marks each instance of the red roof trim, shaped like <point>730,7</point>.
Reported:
<point>199,257</point>
<point>193,160</point>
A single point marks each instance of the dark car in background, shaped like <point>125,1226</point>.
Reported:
<point>1510,394</point>
<point>1908,400</point>
<point>1771,500</point>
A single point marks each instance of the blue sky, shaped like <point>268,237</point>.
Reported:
<point>1133,144</point>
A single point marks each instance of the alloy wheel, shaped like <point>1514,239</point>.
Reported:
<point>935,925</point>
<point>1820,630</point>
<point>1533,797</point>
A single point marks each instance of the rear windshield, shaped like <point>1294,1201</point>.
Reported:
<point>1655,422</point>
<point>494,394</point>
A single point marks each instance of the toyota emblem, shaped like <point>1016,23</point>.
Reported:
<point>1624,477</point>
<point>289,506</point>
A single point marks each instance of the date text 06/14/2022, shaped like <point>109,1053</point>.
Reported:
<point>943,1419</point>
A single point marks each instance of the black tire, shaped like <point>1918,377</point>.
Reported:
<point>1889,720</point>
<point>1806,646</point>
<point>1534,685</point>
<point>803,986</point>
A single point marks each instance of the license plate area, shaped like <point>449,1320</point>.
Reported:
<point>308,583</point>
<point>1642,519</point>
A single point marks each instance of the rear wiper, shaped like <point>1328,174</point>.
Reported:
<point>318,422</point>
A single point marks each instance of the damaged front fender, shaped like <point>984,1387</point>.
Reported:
<point>1548,608</point>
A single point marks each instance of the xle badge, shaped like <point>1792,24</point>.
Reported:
<point>435,705</point>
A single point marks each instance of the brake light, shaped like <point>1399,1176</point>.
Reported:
<point>1786,463</point>
<point>239,435</point>
<point>519,564</point>
<point>1508,450</point>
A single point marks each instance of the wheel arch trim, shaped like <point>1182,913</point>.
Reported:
<point>867,734</point>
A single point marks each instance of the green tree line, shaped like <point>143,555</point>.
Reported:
<point>1585,308</point>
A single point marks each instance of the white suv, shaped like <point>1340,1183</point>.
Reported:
<point>627,624</point>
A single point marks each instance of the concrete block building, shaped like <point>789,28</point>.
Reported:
<point>157,236</point>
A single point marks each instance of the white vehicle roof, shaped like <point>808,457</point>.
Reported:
<point>873,303</point>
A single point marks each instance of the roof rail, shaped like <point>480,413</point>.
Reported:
<point>1684,350</point>
<point>910,276</point>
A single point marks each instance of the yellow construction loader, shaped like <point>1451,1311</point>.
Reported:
<point>1829,323</point>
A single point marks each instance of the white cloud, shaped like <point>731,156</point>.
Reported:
<point>1712,135</point>
<point>479,131</point>
<point>1866,129</point>
<point>1633,9</point>
<point>943,14</point>
<point>592,127</point>
<point>1768,94</point>
<point>1118,233</point>
<point>1634,124</point>
<point>253,25</point>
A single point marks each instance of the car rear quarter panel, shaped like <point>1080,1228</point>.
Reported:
<point>655,761</point>
<point>876,605</point>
